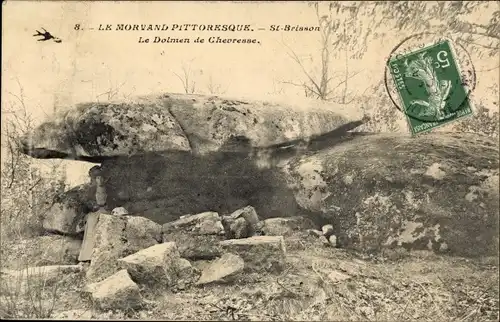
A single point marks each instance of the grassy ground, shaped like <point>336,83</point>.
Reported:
<point>320,283</point>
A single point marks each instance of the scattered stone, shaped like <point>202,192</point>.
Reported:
<point>153,266</point>
<point>285,226</point>
<point>201,264</point>
<point>222,269</point>
<point>197,236</point>
<point>118,291</point>
<point>240,228</point>
<point>119,211</point>
<point>250,215</point>
<point>333,240</point>
<point>141,232</point>
<point>327,230</point>
<point>242,223</point>
<point>205,223</point>
<point>443,247</point>
<point>117,237</point>
<point>260,253</point>
<point>195,247</point>
<point>336,276</point>
<point>186,274</point>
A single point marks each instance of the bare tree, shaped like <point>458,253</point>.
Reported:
<point>187,78</point>
<point>321,86</point>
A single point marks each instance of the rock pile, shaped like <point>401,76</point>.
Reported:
<point>133,254</point>
<point>326,235</point>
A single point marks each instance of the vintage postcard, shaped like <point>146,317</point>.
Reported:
<point>250,160</point>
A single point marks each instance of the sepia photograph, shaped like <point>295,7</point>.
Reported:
<point>250,160</point>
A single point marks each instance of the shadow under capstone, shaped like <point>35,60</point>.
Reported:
<point>164,186</point>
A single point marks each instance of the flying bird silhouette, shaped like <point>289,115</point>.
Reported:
<point>46,36</point>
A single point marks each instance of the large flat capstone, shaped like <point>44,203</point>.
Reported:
<point>198,124</point>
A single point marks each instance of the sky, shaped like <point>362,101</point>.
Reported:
<point>88,63</point>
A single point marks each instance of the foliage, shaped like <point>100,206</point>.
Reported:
<point>347,27</point>
<point>28,295</point>
<point>26,192</point>
<point>482,122</point>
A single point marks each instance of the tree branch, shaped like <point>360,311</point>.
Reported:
<point>294,56</point>
<point>345,80</point>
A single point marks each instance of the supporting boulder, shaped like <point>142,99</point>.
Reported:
<point>437,191</point>
<point>69,210</point>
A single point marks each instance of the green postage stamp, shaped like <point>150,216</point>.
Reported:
<point>430,87</point>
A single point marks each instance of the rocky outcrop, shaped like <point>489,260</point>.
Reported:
<point>164,156</point>
<point>434,191</point>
